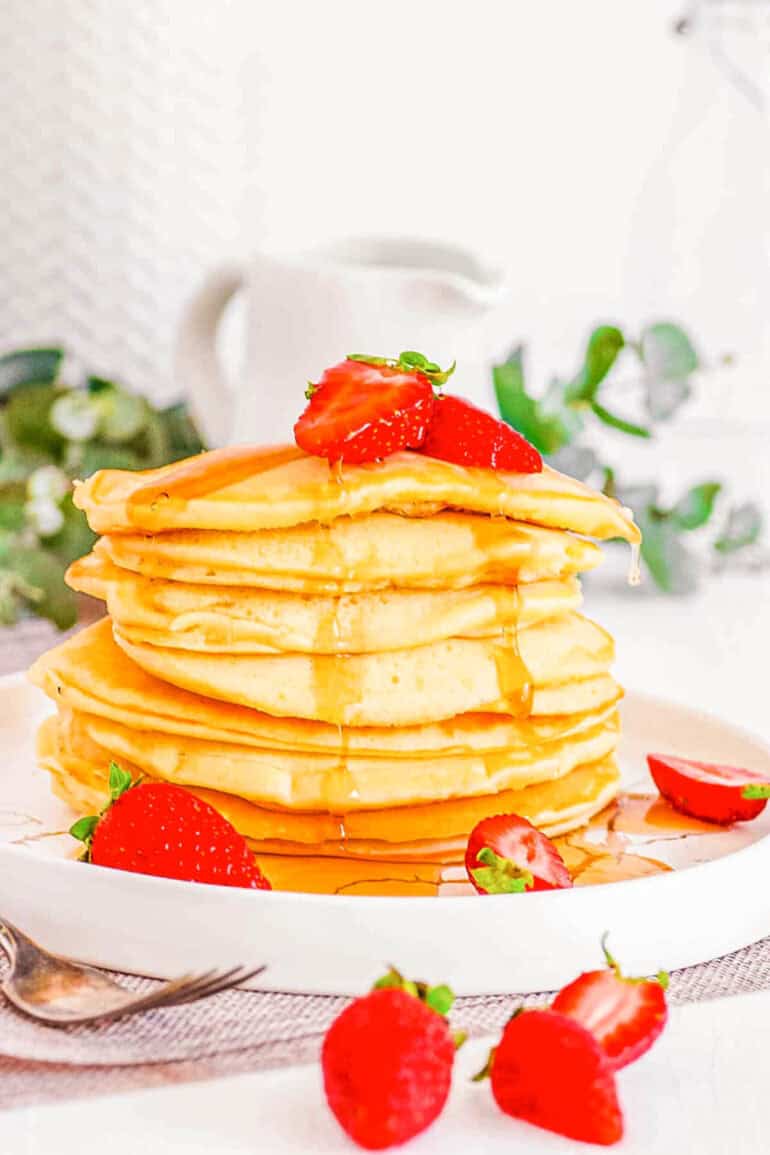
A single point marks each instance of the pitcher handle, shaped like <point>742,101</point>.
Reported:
<point>197,367</point>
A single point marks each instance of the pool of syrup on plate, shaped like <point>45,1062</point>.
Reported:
<point>611,848</point>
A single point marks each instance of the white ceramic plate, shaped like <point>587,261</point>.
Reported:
<point>712,902</point>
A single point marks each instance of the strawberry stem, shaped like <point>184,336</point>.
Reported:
<point>409,361</point>
<point>439,998</point>
<point>500,875</point>
<point>119,782</point>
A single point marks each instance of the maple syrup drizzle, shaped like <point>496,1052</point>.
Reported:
<point>206,474</point>
<point>513,677</point>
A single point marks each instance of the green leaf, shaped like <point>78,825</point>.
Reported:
<point>75,538</point>
<point>75,415</point>
<point>28,418</point>
<point>619,423</point>
<point>672,567</point>
<point>122,415</point>
<point>696,507</point>
<point>667,351</point>
<point>500,875</point>
<point>662,398</point>
<point>578,461</point>
<point>548,433</point>
<point>756,791</point>
<point>29,367</point>
<point>84,828</point>
<point>601,353</point>
<point>742,528</point>
<point>182,436</point>
<point>42,571</point>
<point>440,998</point>
<point>120,781</point>
<point>97,456</point>
<point>13,497</point>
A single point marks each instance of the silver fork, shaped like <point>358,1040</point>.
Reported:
<point>62,993</point>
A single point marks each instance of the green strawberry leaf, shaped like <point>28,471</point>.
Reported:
<point>756,791</point>
<point>742,528</point>
<point>84,828</point>
<point>120,781</point>
<point>29,367</point>
<point>440,999</point>
<point>667,352</point>
<point>604,345</point>
<point>500,875</point>
<point>696,507</point>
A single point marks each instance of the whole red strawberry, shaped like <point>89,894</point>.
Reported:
<point>625,1016</point>
<point>387,1062</point>
<point>708,790</point>
<point>551,1071</point>
<point>368,407</point>
<point>465,434</point>
<point>156,828</point>
<point>506,854</point>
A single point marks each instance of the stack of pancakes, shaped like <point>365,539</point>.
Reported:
<point>354,665</point>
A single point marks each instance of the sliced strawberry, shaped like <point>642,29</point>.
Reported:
<point>706,790</point>
<point>364,409</point>
<point>550,1071</point>
<point>624,1015</point>
<point>465,434</point>
<point>506,854</point>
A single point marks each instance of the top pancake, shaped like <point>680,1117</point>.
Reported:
<point>246,489</point>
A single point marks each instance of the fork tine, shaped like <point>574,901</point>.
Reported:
<point>216,983</point>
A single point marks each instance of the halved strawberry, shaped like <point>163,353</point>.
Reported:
<point>465,434</point>
<point>624,1015</point>
<point>506,854</point>
<point>368,407</point>
<point>709,791</point>
<point>551,1071</point>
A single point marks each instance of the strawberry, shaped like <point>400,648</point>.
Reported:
<point>156,828</point>
<point>549,1070</point>
<point>465,434</point>
<point>625,1016</point>
<point>368,407</point>
<point>387,1062</point>
<point>705,790</point>
<point>506,854</point>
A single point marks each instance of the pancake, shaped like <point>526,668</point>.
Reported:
<point>399,687</point>
<point>220,619</point>
<point>246,489</point>
<point>350,555</point>
<point>80,778</point>
<point>335,782</point>
<point>90,673</point>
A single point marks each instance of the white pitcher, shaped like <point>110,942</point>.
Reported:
<point>306,311</point>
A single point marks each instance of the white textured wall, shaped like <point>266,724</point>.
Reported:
<point>591,150</point>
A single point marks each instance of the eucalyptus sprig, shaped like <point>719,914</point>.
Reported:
<point>559,423</point>
<point>53,430</point>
